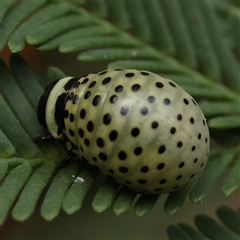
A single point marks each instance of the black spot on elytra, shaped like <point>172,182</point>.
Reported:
<point>70,84</point>
<point>59,112</point>
<point>41,112</point>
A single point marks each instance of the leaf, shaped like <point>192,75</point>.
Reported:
<point>219,108</point>
<point>78,190</point>
<point>51,11</point>
<point>229,217</point>
<point>176,199</point>
<point>53,200</point>
<point>226,58</point>
<point>139,20</point>
<point>225,122</point>
<point>217,162</point>
<point>4,7</point>
<point>14,181</point>
<point>43,33</point>
<point>15,133</point>
<point>209,227</point>
<point>232,181</point>
<point>6,148</point>
<point>31,193</point>
<point>123,200</point>
<point>154,66</point>
<point>3,169</point>
<point>25,77</point>
<point>15,15</point>
<point>98,7</point>
<point>212,229</point>
<point>112,54</point>
<point>183,43</point>
<point>177,40</point>
<point>92,42</point>
<point>74,34</point>
<point>145,204</point>
<point>105,195</point>
<point>13,95</point>
<point>176,232</point>
<point>118,14</point>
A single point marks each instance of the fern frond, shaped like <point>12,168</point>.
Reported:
<point>16,13</point>
<point>218,162</point>
<point>63,22</point>
<point>15,132</point>
<point>209,227</point>
<point>27,202</point>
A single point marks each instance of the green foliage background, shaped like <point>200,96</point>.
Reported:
<point>194,43</point>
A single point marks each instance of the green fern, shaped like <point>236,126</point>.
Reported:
<point>209,227</point>
<point>153,39</point>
